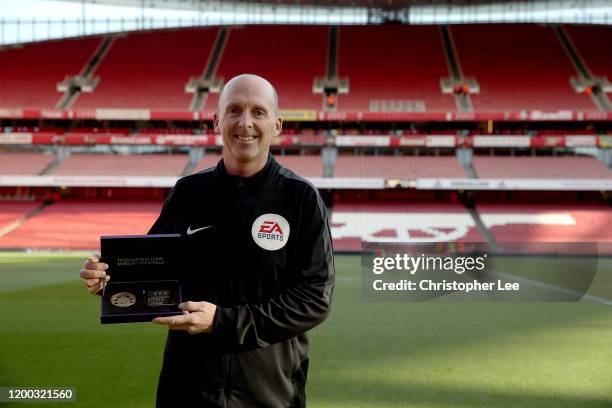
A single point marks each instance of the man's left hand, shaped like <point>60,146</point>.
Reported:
<point>197,317</point>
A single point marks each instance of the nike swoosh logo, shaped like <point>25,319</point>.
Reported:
<point>193,231</point>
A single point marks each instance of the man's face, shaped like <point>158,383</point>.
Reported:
<point>247,121</point>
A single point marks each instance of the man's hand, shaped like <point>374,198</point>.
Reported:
<point>197,317</point>
<point>94,274</point>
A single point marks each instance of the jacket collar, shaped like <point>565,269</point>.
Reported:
<point>252,183</point>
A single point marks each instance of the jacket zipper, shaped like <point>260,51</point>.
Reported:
<point>226,358</point>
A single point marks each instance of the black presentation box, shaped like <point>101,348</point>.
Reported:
<point>145,282</point>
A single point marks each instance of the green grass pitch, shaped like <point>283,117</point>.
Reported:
<point>430,354</point>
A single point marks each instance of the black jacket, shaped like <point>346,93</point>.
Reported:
<point>265,259</point>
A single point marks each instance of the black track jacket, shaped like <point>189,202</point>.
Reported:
<point>261,251</point>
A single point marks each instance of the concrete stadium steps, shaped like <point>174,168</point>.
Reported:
<point>517,67</point>
<point>292,71</point>
<point>149,70</point>
<point>29,75</point>
<point>17,164</point>
<point>13,211</point>
<point>208,161</point>
<point>78,224</point>
<point>299,57</point>
<point>591,43</point>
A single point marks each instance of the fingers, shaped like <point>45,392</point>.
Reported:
<point>95,288</point>
<point>191,306</point>
<point>197,317</point>
<point>94,273</point>
<point>91,282</point>
<point>91,274</point>
<point>182,322</point>
<point>95,266</point>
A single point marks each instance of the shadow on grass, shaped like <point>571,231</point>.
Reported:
<point>383,394</point>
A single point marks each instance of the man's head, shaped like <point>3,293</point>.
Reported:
<point>247,118</point>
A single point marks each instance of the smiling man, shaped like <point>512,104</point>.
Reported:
<point>260,273</point>
<point>247,118</point>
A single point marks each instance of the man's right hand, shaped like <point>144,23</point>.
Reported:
<point>94,274</point>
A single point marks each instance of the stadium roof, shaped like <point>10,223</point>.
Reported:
<point>36,20</point>
<point>196,5</point>
<point>404,11</point>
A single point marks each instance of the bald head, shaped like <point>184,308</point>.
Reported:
<point>248,80</point>
<point>247,120</point>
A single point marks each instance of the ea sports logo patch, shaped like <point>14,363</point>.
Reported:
<point>270,231</point>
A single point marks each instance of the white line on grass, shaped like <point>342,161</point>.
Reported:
<point>586,296</point>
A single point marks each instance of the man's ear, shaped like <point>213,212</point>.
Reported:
<point>278,126</point>
<point>216,122</point>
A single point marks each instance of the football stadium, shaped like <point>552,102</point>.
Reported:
<point>451,123</point>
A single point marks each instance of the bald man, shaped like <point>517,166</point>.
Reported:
<point>262,273</point>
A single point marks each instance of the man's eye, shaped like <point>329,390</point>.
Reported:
<point>232,110</point>
<point>260,113</point>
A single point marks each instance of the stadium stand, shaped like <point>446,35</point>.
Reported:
<point>149,70</point>
<point>564,167</point>
<point>517,67</point>
<point>12,211</point>
<point>78,224</point>
<point>29,74</point>
<point>402,167</point>
<point>589,42</point>
<point>209,160</point>
<point>305,166</point>
<point>392,63</point>
<point>352,222</point>
<point>547,222</point>
<point>122,165</point>
<point>299,58</point>
<point>13,164</point>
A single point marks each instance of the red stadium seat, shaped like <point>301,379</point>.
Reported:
<point>14,164</point>
<point>122,165</point>
<point>569,167</point>
<point>149,70</point>
<point>29,75</point>
<point>402,167</point>
<point>590,42</point>
<point>547,222</point>
<point>78,224</point>
<point>401,63</point>
<point>292,68</point>
<point>518,67</point>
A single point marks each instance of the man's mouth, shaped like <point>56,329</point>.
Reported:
<point>245,138</point>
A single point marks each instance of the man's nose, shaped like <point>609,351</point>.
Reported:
<point>246,120</point>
